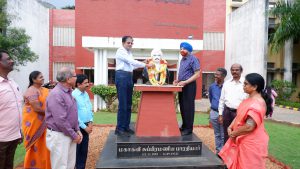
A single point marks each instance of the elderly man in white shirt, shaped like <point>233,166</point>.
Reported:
<point>125,64</point>
<point>232,95</point>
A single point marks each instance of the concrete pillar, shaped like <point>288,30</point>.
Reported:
<point>288,60</point>
<point>288,56</point>
<point>247,36</point>
<point>100,75</point>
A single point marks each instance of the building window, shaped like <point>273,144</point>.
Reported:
<point>271,30</point>
<point>58,65</point>
<point>294,78</point>
<point>90,74</point>
<point>111,76</point>
<point>296,66</point>
<point>270,78</point>
<point>270,65</point>
<point>213,41</point>
<point>208,78</point>
<point>272,21</point>
<point>296,71</point>
<point>64,36</point>
<point>271,5</point>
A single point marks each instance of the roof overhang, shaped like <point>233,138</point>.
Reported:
<point>91,43</point>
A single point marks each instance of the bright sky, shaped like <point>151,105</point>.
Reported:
<point>61,3</point>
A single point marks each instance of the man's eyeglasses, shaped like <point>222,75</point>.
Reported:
<point>129,43</point>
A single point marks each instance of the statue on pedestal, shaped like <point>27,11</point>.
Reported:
<point>157,74</point>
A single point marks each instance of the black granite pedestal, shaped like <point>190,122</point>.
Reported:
<point>156,154</point>
<point>156,147</point>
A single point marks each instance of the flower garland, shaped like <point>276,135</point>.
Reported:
<point>153,72</point>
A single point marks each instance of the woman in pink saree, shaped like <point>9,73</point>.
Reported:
<point>247,147</point>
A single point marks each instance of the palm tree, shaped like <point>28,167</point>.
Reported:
<point>289,26</point>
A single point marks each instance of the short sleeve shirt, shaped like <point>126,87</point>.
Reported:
<point>188,66</point>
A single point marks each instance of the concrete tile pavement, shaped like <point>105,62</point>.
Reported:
<point>202,105</point>
<point>279,114</point>
<point>286,115</point>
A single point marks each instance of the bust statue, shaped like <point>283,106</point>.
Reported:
<point>157,74</point>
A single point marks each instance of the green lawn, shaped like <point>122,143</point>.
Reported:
<point>19,155</point>
<point>284,142</point>
<point>111,118</point>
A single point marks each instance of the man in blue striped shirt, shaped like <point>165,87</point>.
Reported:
<point>214,97</point>
<point>85,118</point>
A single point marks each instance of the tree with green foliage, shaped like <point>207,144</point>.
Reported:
<point>109,95</point>
<point>69,7</point>
<point>289,26</point>
<point>284,89</point>
<point>14,40</point>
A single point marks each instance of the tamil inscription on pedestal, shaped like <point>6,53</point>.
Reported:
<point>143,147</point>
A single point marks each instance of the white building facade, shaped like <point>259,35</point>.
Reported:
<point>105,48</point>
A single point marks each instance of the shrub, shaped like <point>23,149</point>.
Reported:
<point>109,95</point>
<point>135,101</point>
<point>284,89</point>
<point>288,103</point>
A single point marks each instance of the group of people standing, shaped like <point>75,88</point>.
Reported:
<point>189,71</point>
<point>238,108</point>
<point>69,120</point>
<point>54,125</point>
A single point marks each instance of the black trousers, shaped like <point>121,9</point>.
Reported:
<point>7,153</point>
<point>82,150</point>
<point>228,116</point>
<point>187,106</point>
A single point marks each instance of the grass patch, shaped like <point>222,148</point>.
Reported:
<point>111,118</point>
<point>284,143</point>
<point>19,155</point>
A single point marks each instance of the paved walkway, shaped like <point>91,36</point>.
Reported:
<point>280,114</point>
<point>286,115</point>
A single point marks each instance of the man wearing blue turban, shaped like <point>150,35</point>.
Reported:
<point>186,46</point>
<point>189,71</point>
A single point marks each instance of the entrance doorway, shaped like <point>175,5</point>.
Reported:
<point>207,79</point>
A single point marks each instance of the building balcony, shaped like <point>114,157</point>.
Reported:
<point>237,3</point>
<point>276,70</point>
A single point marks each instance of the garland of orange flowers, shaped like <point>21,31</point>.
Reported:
<point>152,72</point>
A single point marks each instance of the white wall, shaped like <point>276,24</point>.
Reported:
<point>34,18</point>
<point>246,37</point>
